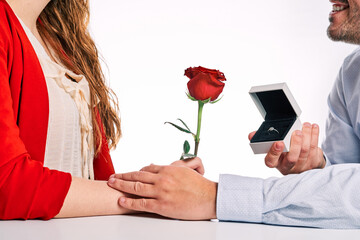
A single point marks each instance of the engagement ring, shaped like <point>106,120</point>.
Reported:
<point>272,129</point>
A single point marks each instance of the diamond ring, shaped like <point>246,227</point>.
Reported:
<point>272,129</point>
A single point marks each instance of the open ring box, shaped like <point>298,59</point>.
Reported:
<point>281,114</point>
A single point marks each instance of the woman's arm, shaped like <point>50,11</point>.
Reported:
<point>91,198</point>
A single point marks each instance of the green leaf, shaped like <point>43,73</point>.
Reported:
<point>178,127</point>
<point>186,147</point>
<point>184,124</point>
<point>190,97</point>
<point>216,100</point>
<point>206,101</point>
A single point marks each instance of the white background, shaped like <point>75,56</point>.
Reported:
<point>147,45</point>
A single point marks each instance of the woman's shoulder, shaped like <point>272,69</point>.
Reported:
<point>6,25</point>
<point>6,13</point>
<point>3,4</point>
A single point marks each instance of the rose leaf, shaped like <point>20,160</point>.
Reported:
<point>184,124</point>
<point>178,127</point>
<point>186,147</point>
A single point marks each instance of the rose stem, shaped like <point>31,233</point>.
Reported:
<point>197,137</point>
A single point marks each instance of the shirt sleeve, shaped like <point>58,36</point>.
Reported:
<point>324,198</point>
<point>28,190</point>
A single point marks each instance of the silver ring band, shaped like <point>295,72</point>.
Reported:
<point>271,129</point>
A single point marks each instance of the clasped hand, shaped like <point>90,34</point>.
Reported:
<point>304,153</point>
<point>180,191</point>
<point>176,191</point>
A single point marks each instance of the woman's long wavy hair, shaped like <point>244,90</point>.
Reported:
<point>63,25</point>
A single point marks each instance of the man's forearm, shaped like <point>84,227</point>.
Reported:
<point>326,198</point>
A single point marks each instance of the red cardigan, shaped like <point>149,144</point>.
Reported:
<point>28,190</point>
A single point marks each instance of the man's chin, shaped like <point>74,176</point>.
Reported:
<point>337,36</point>
<point>333,35</point>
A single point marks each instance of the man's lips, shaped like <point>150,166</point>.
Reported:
<point>340,2</point>
<point>339,6</point>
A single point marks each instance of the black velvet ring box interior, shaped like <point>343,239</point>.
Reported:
<point>281,116</point>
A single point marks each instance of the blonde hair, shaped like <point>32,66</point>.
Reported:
<point>63,25</point>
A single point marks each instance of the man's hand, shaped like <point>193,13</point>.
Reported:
<point>304,152</point>
<point>171,191</point>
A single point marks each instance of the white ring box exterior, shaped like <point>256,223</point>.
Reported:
<point>278,107</point>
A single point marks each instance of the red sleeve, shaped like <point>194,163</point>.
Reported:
<point>28,190</point>
<point>103,166</point>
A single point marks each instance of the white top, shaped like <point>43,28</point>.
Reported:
<point>69,143</point>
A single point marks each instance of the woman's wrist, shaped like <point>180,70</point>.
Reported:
<point>91,198</point>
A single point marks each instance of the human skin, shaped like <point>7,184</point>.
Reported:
<point>28,11</point>
<point>185,199</point>
<point>85,197</point>
<point>304,153</point>
<point>171,191</point>
<point>344,24</point>
<point>92,198</point>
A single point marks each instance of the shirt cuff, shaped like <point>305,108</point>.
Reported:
<point>327,162</point>
<point>239,198</point>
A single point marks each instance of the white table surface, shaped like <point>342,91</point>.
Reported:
<point>152,227</point>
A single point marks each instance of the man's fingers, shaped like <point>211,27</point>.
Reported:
<point>295,150</point>
<point>306,141</point>
<point>142,204</point>
<point>272,158</point>
<point>141,176</point>
<point>152,168</point>
<point>288,163</point>
<point>135,188</point>
<point>314,149</point>
<point>251,135</point>
<point>314,137</point>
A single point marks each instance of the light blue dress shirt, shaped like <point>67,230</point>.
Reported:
<point>325,198</point>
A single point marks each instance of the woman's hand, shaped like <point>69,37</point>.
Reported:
<point>193,163</point>
<point>304,152</point>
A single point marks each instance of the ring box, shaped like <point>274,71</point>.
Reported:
<point>281,116</point>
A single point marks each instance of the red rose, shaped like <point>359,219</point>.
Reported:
<point>205,83</point>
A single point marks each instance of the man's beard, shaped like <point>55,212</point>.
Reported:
<point>349,31</point>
